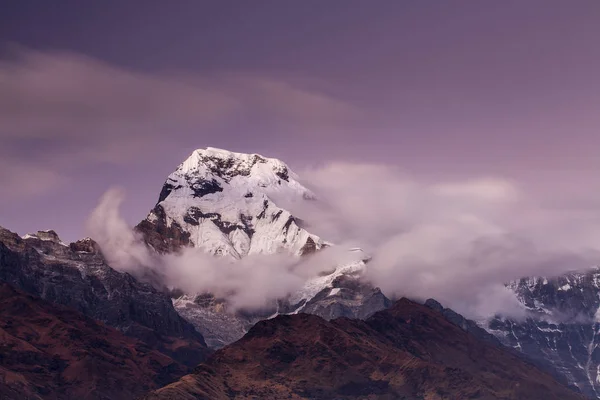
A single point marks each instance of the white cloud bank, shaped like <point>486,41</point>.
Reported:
<point>457,242</point>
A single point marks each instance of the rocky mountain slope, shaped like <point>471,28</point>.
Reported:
<point>562,327</point>
<point>78,277</point>
<point>52,352</point>
<point>409,351</point>
<point>227,204</point>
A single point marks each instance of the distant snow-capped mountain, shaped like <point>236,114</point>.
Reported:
<point>562,330</point>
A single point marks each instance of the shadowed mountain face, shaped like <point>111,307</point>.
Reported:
<point>409,351</point>
<point>51,352</point>
<point>77,276</point>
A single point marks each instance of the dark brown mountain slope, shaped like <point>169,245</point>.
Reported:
<point>406,352</point>
<point>51,352</point>
<point>78,276</point>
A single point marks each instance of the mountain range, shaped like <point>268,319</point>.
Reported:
<point>76,327</point>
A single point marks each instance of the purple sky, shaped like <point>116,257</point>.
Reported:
<point>118,93</point>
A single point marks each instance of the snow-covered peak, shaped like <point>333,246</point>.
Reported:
<point>212,170</point>
<point>47,235</point>
<point>228,164</point>
<point>223,201</point>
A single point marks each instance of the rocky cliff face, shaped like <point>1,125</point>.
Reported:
<point>561,328</point>
<point>77,276</point>
<point>406,352</point>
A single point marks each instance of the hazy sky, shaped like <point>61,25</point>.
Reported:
<point>114,93</point>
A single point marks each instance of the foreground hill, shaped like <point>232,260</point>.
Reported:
<point>52,352</point>
<point>409,351</point>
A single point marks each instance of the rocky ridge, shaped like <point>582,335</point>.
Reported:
<point>77,276</point>
<point>408,351</point>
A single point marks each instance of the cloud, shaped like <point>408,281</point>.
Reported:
<point>66,92</point>
<point>251,283</point>
<point>458,242</point>
<point>485,189</point>
<point>28,179</point>
<point>122,248</point>
<point>66,111</point>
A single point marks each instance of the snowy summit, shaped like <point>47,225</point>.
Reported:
<point>222,201</point>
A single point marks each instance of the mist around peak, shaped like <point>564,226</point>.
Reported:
<point>459,242</point>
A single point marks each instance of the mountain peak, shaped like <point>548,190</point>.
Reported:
<point>224,202</point>
<point>46,235</point>
<point>223,153</point>
<point>228,164</point>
